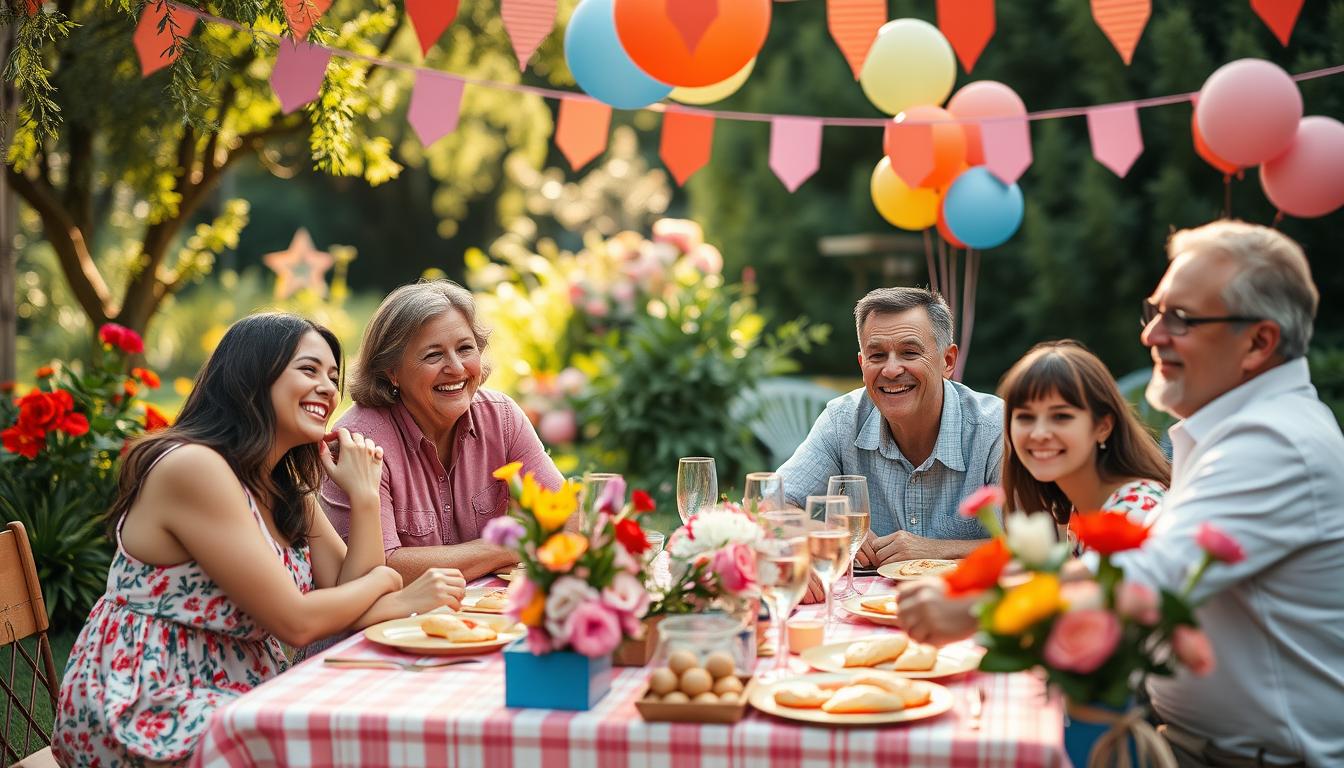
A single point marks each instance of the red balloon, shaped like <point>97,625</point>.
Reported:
<point>1308,180</point>
<point>1206,154</point>
<point>1248,111</point>
<point>945,230</point>
<point>692,43</point>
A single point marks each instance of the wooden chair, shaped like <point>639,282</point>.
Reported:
<point>23,614</point>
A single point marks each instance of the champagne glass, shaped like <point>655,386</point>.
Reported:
<point>764,492</point>
<point>783,523</point>
<point>782,566</point>
<point>855,488</point>
<point>829,545</point>
<point>697,485</point>
<point>594,483</point>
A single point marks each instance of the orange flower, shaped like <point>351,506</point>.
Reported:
<point>147,377</point>
<point>532,614</point>
<point>45,372</point>
<point>130,388</point>
<point>154,419</point>
<point>560,551</point>
<point>980,570</point>
<point>1108,532</point>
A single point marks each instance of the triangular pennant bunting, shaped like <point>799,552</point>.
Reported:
<point>436,103</point>
<point>581,130</point>
<point>854,25</point>
<point>968,25</point>
<point>297,76</point>
<point>303,15</point>
<point>909,146</point>
<point>528,22</point>
<point>1007,147</point>
<point>692,18</point>
<point>1122,21</point>
<point>686,143</point>
<point>430,18</point>
<point>795,149</point>
<point>154,47</point>
<point>1116,138</point>
<point>1279,15</point>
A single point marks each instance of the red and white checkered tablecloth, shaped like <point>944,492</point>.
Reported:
<point>315,715</point>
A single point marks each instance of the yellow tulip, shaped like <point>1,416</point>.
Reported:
<point>508,471</point>
<point>553,508</point>
<point>1027,604</point>
<point>531,615</point>
<point>530,491</point>
<point>561,550</point>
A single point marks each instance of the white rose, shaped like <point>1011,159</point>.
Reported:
<point>1031,537</point>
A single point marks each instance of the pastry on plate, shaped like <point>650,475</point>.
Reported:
<point>884,604</point>
<point>917,657</point>
<point>926,567</point>
<point>492,601</point>
<point>863,699</point>
<point>440,625</point>
<point>801,695</point>
<point>478,633</point>
<point>875,650</point>
<point>913,693</point>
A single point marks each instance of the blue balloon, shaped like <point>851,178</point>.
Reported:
<point>980,210</point>
<point>600,64</point>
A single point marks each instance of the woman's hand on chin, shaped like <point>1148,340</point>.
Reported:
<point>356,465</point>
<point>435,587</point>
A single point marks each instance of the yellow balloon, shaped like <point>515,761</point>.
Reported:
<point>912,208</point>
<point>708,94</point>
<point>910,63</point>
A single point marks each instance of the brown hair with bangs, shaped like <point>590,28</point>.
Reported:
<point>1069,369</point>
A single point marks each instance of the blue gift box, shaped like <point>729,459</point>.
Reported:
<point>557,680</point>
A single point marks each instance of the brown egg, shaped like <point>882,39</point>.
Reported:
<point>706,698</point>
<point>719,664</point>
<point>728,697</point>
<point>727,685</point>
<point>676,697</point>
<point>680,661</point>
<point>695,681</point>
<point>663,681</point>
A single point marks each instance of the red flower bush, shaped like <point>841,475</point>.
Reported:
<point>122,338</point>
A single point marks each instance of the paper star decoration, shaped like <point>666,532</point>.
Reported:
<point>299,266</point>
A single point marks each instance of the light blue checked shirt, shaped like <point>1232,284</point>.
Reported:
<point>851,438</point>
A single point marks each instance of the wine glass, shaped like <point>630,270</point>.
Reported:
<point>782,566</point>
<point>855,488</point>
<point>783,523</point>
<point>764,492</point>
<point>594,483</point>
<point>697,485</point>
<point>829,545</point>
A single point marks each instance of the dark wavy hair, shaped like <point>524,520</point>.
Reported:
<point>1070,369</point>
<point>230,410</point>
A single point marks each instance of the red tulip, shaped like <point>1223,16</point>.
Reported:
<point>980,570</point>
<point>1108,532</point>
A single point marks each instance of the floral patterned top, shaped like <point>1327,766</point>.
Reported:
<point>1136,499</point>
<point>163,647</point>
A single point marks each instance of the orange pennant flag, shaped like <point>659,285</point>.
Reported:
<point>154,40</point>
<point>854,25</point>
<point>528,22</point>
<point>581,130</point>
<point>1122,21</point>
<point>910,148</point>
<point>968,25</point>
<point>686,143</point>
<point>1279,15</point>
<point>303,15</point>
<point>430,18</point>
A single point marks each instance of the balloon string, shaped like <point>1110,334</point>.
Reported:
<point>1278,219</point>
<point>928,260</point>
<point>942,268</point>
<point>952,281</point>
<point>1227,196</point>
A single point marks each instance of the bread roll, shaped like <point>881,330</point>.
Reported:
<point>917,657</point>
<point>885,604</point>
<point>801,696</point>
<point>441,625</point>
<point>861,699</point>
<point>875,650</point>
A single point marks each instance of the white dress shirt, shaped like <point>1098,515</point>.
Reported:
<point>1264,463</point>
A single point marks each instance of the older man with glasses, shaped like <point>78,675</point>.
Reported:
<point>1260,457</point>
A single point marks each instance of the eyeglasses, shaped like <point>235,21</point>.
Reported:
<point>1178,323</point>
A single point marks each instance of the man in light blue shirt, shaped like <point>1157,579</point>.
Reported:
<point>923,441</point>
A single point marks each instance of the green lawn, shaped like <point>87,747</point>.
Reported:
<point>23,679</point>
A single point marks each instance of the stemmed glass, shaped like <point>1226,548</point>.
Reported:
<point>855,488</point>
<point>829,545</point>
<point>764,492</point>
<point>697,485</point>
<point>594,483</point>
<point>782,564</point>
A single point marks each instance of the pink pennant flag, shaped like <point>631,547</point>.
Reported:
<point>297,76</point>
<point>968,25</point>
<point>686,143</point>
<point>154,48</point>
<point>528,22</point>
<point>1007,147</point>
<point>853,25</point>
<point>581,130</point>
<point>692,18</point>
<point>1116,139</point>
<point>303,14</point>
<point>1122,21</point>
<point>430,18</point>
<point>435,105</point>
<point>1279,15</point>
<point>795,149</point>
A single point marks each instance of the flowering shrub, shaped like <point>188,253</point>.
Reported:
<point>61,441</point>
<point>580,590</point>
<point>712,560</point>
<point>1095,637</point>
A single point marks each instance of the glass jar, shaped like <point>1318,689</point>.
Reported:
<point>703,634</point>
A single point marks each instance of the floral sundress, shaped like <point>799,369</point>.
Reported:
<point>163,647</point>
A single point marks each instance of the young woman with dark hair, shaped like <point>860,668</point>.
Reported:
<point>222,553</point>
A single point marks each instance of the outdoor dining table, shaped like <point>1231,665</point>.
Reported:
<point>319,715</point>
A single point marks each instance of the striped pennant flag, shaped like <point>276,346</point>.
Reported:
<point>1122,21</point>
<point>853,25</point>
<point>528,22</point>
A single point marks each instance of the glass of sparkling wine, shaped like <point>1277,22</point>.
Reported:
<point>855,488</point>
<point>697,485</point>
<point>763,492</point>
<point>829,544</point>
<point>782,567</point>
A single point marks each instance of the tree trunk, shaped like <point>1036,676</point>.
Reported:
<point>9,287</point>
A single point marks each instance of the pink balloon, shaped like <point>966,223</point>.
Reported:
<point>983,98</point>
<point>1308,180</point>
<point>1248,111</point>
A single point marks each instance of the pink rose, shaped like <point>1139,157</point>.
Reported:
<point>1218,544</point>
<point>558,426</point>
<point>1193,649</point>
<point>565,597</point>
<point>594,629</point>
<point>596,307</point>
<point>735,565</point>
<point>626,595</point>
<point>1081,595</point>
<point>521,594</point>
<point>684,234</point>
<point>1137,602</point>
<point>988,496</point>
<point>538,642</point>
<point>1081,641</point>
<point>707,259</point>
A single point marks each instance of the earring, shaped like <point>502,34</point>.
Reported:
<point>1101,446</point>
<point>396,393</point>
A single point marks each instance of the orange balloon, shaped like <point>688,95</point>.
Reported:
<point>1207,154</point>
<point>948,142</point>
<point>692,43</point>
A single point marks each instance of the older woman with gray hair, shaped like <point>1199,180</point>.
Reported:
<point>417,392</point>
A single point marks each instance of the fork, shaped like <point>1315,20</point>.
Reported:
<point>975,704</point>
<point>419,665</point>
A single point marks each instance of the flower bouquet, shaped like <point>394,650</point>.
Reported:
<point>712,562</point>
